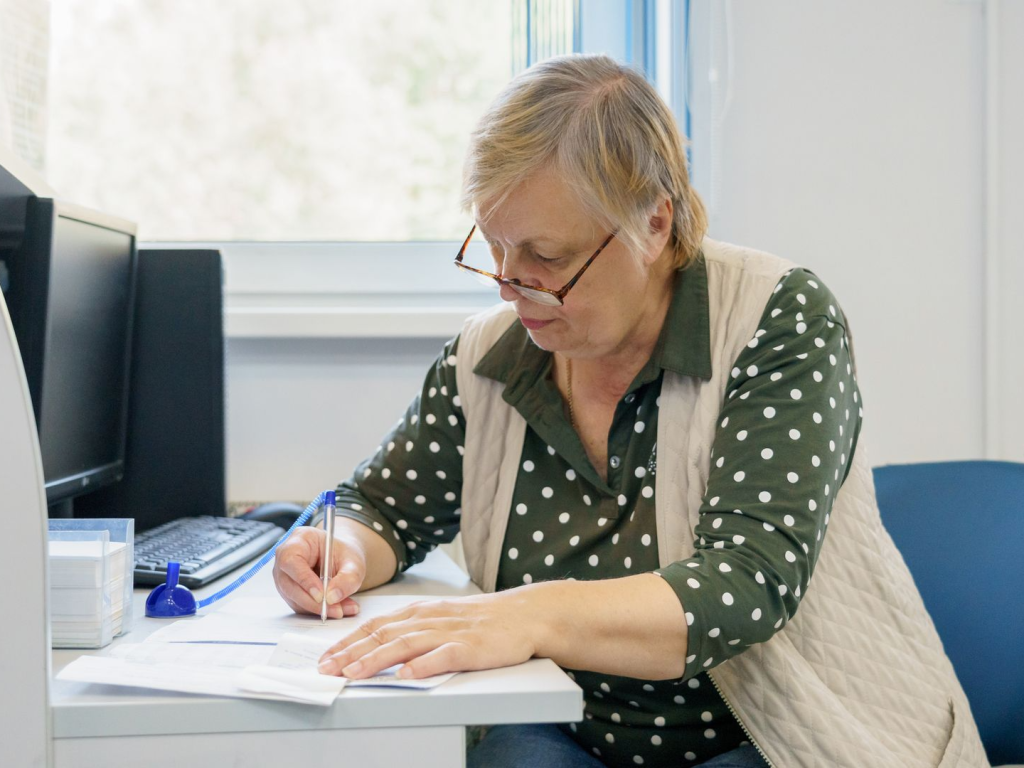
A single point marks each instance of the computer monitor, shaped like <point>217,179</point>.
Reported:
<point>72,297</point>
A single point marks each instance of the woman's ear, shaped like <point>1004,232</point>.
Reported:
<point>660,229</point>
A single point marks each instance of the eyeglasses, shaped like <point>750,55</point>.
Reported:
<point>533,293</point>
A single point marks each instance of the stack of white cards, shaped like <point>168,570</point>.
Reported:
<point>90,588</point>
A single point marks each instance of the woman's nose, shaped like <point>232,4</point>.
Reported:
<point>508,270</point>
<point>512,268</point>
<point>507,292</point>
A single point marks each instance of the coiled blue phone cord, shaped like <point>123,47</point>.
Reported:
<point>299,521</point>
<point>171,599</point>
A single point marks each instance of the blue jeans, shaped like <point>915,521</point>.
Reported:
<point>545,746</point>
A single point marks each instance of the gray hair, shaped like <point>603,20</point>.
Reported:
<point>606,132</point>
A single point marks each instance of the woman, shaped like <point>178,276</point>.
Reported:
<point>649,449</point>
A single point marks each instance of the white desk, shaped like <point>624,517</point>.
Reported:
<point>99,726</point>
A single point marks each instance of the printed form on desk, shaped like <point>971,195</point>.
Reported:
<point>249,648</point>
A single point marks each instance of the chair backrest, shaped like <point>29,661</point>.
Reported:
<point>960,527</point>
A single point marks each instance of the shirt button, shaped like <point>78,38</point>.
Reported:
<point>630,398</point>
<point>615,461</point>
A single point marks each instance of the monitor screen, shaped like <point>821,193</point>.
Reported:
<point>71,296</point>
<point>85,356</point>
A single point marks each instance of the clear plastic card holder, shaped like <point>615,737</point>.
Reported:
<point>91,580</point>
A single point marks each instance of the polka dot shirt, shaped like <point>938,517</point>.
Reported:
<point>785,437</point>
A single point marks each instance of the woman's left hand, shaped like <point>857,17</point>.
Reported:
<point>431,638</point>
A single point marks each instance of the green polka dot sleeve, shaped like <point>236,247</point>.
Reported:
<point>782,448</point>
<point>409,490</point>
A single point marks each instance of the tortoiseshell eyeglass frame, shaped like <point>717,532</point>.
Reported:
<point>525,290</point>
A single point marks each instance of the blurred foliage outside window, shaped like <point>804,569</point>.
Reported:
<point>261,120</point>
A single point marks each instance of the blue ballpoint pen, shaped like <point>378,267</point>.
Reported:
<point>325,566</point>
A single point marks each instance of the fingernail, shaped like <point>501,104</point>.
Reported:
<point>334,596</point>
<point>404,672</point>
<point>352,669</point>
<point>327,667</point>
<point>316,594</point>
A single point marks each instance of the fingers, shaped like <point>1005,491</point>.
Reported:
<point>300,601</point>
<point>393,645</point>
<point>347,579</point>
<point>367,628</point>
<point>450,657</point>
<point>296,559</point>
<point>427,638</point>
<point>296,574</point>
<point>349,607</point>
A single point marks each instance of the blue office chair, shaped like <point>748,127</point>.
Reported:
<point>960,527</point>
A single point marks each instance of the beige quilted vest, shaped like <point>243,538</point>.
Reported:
<point>858,677</point>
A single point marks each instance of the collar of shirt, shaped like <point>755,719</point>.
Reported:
<point>683,346</point>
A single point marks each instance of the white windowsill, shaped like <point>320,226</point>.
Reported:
<point>343,290</point>
<point>344,322</point>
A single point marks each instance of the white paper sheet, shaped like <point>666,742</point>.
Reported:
<point>221,628</point>
<point>261,620</point>
<point>251,682</point>
<point>231,652</point>
<point>113,671</point>
<point>301,685</point>
<point>304,651</point>
<point>263,608</point>
<point>207,656</point>
<point>387,679</point>
<point>219,669</point>
<point>297,651</point>
<point>252,614</point>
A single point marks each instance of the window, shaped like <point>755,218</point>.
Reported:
<point>262,120</point>
<point>312,141</point>
<point>23,42</point>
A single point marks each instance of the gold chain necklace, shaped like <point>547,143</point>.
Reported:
<point>572,414</point>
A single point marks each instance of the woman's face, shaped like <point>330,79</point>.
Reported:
<point>541,236</point>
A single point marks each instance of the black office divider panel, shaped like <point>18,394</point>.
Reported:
<point>175,460</point>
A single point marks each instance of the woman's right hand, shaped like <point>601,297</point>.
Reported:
<point>297,573</point>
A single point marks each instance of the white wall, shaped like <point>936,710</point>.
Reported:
<point>1008,369</point>
<point>854,144</point>
<point>301,413</point>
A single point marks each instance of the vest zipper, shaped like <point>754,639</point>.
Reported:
<point>737,718</point>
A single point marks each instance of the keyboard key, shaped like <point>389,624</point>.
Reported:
<point>206,547</point>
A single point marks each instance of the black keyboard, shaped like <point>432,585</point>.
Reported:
<point>206,547</point>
